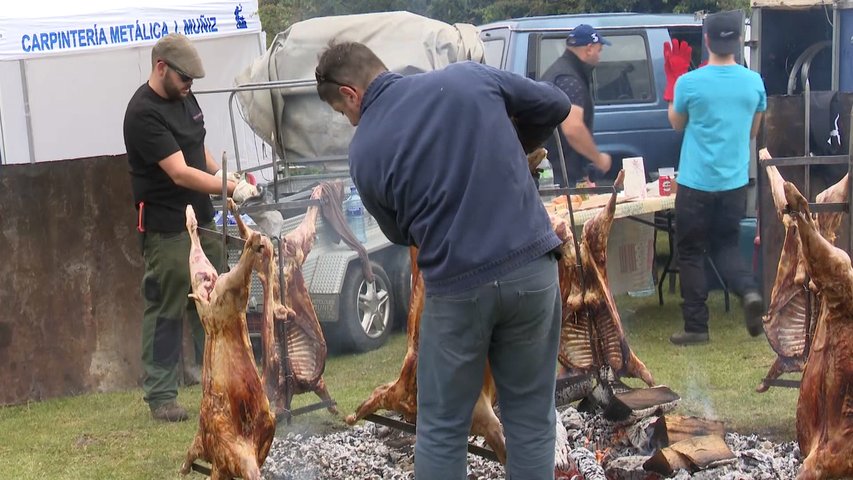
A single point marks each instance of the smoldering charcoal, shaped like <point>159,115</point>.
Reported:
<point>369,451</point>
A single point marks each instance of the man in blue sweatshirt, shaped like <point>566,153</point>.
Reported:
<point>439,163</point>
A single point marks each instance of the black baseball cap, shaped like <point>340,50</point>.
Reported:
<point>724,31</point>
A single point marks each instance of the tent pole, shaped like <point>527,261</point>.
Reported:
<point>26,95</point>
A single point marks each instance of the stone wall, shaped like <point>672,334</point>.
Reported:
<point>70,306</point>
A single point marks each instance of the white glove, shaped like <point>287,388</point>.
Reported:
<point>244,191</point>
<point>232,176</point>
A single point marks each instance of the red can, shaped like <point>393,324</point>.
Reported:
<point>664,185</point>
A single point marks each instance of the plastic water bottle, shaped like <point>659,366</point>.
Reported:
<point>546,178</point>
<point>217,219</point>
<point>354,211</point>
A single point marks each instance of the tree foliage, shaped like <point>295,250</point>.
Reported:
<point>277,15</point>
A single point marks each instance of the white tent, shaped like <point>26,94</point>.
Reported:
<point>68,68</point>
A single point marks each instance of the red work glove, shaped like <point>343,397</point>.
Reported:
<point>676,61</point>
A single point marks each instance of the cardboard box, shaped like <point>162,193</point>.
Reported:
<point>631,256</point>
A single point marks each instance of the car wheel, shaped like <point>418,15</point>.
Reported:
<point>365,311</point>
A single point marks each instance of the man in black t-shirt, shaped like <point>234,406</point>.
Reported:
<point>171,168</point>
<point>572,73</point>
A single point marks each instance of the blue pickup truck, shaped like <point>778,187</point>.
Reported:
<point>630,113</point>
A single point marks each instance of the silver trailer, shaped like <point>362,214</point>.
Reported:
<point>355,315</point>
<point>278,99</point>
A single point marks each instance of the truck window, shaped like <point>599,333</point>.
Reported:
<point>494,52</point>
<point>693,36</point>
<point>622,76</point>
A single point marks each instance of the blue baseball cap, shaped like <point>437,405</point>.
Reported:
<point>584,34</point>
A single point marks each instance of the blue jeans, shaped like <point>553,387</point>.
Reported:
<point>513,322</point>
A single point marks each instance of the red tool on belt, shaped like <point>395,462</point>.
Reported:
<point>140,223</point>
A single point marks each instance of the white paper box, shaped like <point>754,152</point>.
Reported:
<point>635,177</point>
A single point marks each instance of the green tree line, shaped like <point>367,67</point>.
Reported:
<point>277,15</point>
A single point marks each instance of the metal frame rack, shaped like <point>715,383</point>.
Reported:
<point>296,203</point>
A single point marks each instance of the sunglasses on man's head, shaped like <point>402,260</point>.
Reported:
<point>321,79</point>
<point>183,76</point>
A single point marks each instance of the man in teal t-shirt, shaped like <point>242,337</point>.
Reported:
<point>719,107</point>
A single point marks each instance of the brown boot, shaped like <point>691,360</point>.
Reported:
<point>169,412</point>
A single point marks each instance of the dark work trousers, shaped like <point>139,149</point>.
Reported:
<point>165,287</point>
<point>708,223</point>
<point>513,322</point>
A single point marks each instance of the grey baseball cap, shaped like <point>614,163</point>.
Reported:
<point>178,52</point>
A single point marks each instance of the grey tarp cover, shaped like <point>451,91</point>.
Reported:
<point>406,43</point>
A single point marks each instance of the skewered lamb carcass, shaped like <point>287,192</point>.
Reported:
<point>825,406</point>
<point>401,395</point>
<point>792,302</point>
<point>793,312</point>
<point>235,427</point>
<point>591,335</point>
<point>291,322</point>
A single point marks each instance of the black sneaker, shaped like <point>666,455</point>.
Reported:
<point>170,412</point>
<point>689,338</point>
<point>753,311</point>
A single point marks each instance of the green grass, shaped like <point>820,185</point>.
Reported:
<point>111,435</point>
<point>716,380</point>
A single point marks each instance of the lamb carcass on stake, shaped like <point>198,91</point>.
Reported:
<point>828,222</point>
<point>401,395</point>
<point>292,324</point>
<point>793,312</point>
<point>235,427</point>
<point>591,335</point>
<point>825,406</point>
<point>792,303</point>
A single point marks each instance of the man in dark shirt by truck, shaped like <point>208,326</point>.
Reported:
<point>572,73</point>
<point>439,165</point>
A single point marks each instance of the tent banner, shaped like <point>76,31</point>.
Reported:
<point>130,26</point>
